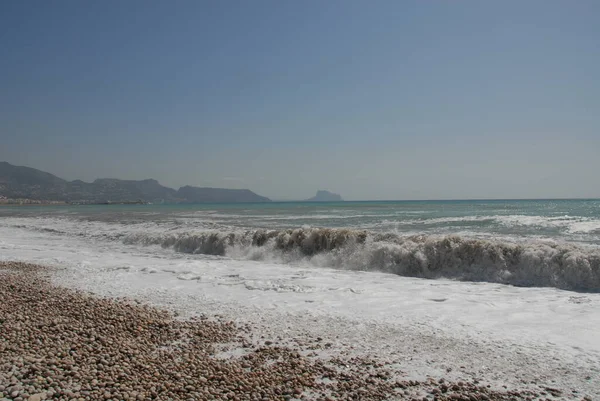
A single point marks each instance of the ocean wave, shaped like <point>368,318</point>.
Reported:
<point>572,224</point>
<point>523,263</point>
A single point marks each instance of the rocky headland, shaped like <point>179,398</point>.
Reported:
<point>26,185</point>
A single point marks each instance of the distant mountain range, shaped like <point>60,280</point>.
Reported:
<point>325,196</point>
<point>29,183</point>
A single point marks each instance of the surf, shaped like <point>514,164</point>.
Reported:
<point>522,262</point>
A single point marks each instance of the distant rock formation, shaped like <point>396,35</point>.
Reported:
<point>17,182</point>
<point>325,196</point>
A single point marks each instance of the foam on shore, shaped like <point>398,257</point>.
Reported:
<point>60,344</point>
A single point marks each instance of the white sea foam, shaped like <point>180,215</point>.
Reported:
<point>523,262</point>
<point>502,334</point>
<point>572,224</point>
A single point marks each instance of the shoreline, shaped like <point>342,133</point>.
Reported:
<point>59,343</point>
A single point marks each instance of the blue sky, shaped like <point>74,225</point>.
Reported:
<point>371,99</point>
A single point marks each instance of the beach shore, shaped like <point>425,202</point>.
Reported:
<point>58,343</point>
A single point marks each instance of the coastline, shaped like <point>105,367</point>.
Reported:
<point>59,343</point>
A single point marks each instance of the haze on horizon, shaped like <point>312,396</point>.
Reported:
<point>371,100</point>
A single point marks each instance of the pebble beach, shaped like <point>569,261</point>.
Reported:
<point>63,344</point>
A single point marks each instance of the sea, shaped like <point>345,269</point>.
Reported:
<point>456,280</point>
<point>537,243</point>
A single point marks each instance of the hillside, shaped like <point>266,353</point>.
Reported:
<point>29,183</point>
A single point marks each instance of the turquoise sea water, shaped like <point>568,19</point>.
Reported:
<point>570,220</point>
<point>523,242</point>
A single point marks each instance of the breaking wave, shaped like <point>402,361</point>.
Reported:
<point>524,263</point>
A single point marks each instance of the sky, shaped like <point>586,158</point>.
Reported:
<point>369,99</point>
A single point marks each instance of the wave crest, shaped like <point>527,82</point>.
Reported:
<point>526,263</point>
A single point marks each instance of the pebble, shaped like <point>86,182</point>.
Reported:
<point>82,347</point>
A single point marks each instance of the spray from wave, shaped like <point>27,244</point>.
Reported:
<point>524,263</point>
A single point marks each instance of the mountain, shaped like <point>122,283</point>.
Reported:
<point>325,196</point>
<point>26,182</point>
<point>114,190</point>
<point>209,195</point>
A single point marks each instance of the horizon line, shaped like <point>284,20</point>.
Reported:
<point>436,200</point>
